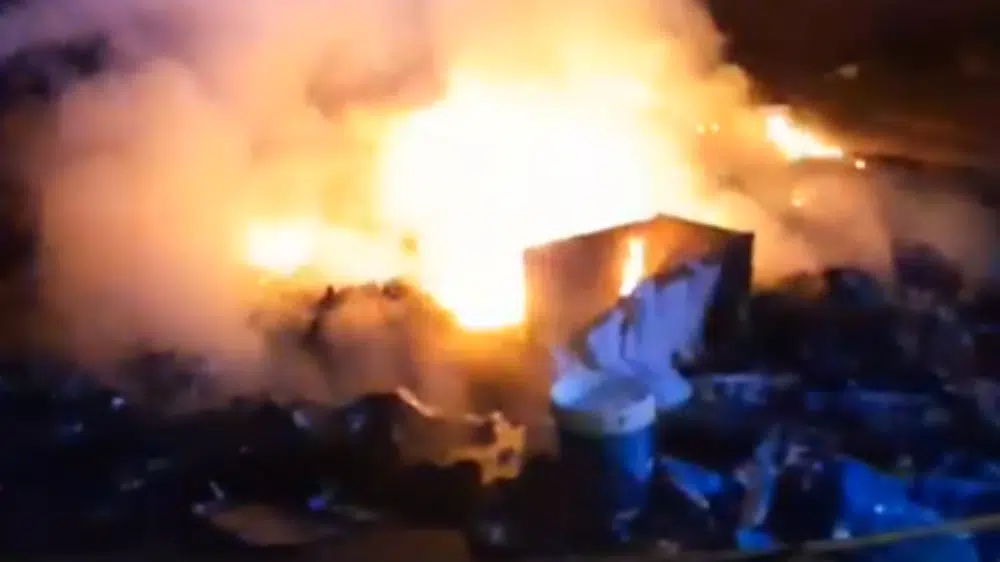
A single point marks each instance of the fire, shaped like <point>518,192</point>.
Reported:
<point>795,143</point>
<point>503,161</point>
<point>634,267</point>
<point>310,251</point>
<point>492,169</point>
<point>281,249</point>
<point>495,168</point>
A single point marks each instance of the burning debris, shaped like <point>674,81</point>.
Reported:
<point>572,283</point>
<point>402,203</point>
<point>680,450</point>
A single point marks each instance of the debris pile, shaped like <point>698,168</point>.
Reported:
<point>845,409</point>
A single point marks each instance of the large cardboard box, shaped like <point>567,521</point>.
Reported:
<point>572,283</point>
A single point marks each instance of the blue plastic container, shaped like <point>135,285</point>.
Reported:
<point>607,445</point>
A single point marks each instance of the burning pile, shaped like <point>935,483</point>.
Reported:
<point>734,460</point>
<point>183,187</point>
<point>433,148</point>
<point>471,182</point>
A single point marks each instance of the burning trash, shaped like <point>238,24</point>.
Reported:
<point>490,267</point>
<point>645,442</point>
<point>573,283</point>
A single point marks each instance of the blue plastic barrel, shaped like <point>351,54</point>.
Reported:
<point>607,449</point>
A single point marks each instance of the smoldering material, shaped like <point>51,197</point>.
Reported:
<point>206,114</point>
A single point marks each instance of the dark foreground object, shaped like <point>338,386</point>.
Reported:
<point>874,382</point>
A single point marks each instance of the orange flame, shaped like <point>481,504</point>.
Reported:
<point>496,168</point>
<point>796,143</point>
<point>280,249</point>
<point>502,163</point>
<point>634,267</point>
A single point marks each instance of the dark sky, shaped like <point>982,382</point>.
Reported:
<point>818,32</point>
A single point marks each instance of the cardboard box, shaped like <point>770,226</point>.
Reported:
<point>572,283</point>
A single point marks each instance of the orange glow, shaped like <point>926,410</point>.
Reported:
<point>281,249</point>
<point>496,168</point>
<point>498,165</point>
<point>796,143</point>
<point>634,267</point>
<point>593,127</point>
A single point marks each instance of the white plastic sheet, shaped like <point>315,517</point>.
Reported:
<point>644,334</point>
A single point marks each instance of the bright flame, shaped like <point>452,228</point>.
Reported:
<point>313,252</point>
<point>592,129</point>
<point>634,267</point>
<point>497,166</point>
<point>796,143</point>
<point>494,169</point>
<point>280,249</point>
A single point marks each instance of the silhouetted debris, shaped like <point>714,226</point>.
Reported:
<point>854,288</point>
<point>922,272</point>
<point>844,371</point>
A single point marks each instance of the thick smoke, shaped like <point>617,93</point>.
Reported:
<point>210,112</point>
<point>205,114</point>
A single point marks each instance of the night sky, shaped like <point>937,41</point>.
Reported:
<point>814,33</point>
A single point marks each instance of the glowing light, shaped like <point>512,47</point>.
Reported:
<point>634,267</point>
<point>798,200</point>
<point>796,143</point>
<point>497,164</point>
<point>280,249</point>
<point>494,169</point>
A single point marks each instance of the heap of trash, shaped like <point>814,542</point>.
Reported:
<point>832,416</point>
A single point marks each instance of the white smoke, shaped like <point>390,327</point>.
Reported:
<point>209,111</point>
<point>205,112</point>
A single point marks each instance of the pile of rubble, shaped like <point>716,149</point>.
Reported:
<point>834,406</point>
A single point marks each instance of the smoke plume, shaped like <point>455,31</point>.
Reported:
<point>209,113</point>
<point>205,113</point>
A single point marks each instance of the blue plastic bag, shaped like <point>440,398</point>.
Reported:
<point>864,487</point>
<point>889,517</point>
<point>956,498</point>
<point>874,503</point>
<point>752,540</point>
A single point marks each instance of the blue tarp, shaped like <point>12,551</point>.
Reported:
<point>644,336</point>
<point>874,503</point>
